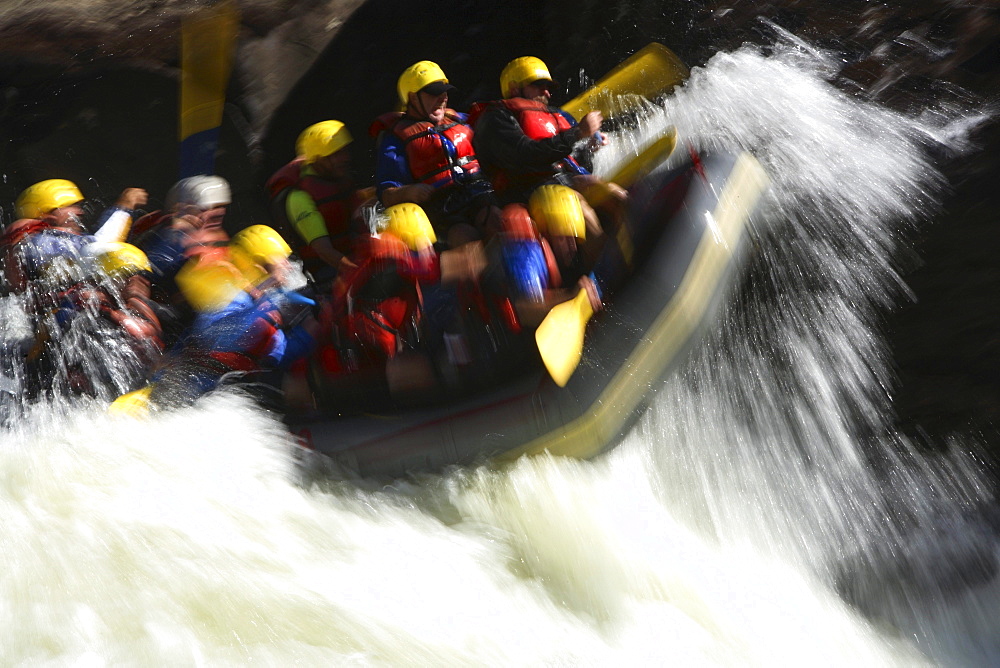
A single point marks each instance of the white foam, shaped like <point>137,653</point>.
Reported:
<point>719,534</point>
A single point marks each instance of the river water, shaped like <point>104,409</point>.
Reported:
<point>762,513</point>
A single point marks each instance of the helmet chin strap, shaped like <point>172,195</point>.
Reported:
<point>421,107</point>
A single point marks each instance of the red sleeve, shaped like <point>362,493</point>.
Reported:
<point>423,266</point>
<point>555,280</point>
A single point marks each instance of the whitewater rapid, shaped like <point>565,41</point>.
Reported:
<point>763,513</point>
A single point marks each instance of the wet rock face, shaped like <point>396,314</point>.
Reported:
<point>88,89</point>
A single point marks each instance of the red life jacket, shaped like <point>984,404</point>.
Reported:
<point>382,123</point>
<point>386,299</point>
<point>336,202</point>
<point>437,154</point>
<point>13,268</point>
<point>150,221</point>
<point>538,121</point>
<point>22,228</point>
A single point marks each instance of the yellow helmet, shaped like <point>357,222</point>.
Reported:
<point>120,260</point>
<point>520,72</point>
<point>558,212</point>
<point>409,223</point>
<point>209,283</point>
<point>254,247</point>
<point>45,196</point>
<point>417,76</point>
<point>322,139</point>
<point>260,243</point>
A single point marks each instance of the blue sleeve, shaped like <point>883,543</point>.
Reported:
<point>572,165</point>
<point>298,344</point>
<point>391,167</point>
<point>569,117</point>
<point>165,252</point>
<point>276,350</point>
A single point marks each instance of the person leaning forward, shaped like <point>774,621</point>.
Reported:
<point>318,199</point>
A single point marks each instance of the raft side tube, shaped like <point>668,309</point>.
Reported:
<point>692,220</point>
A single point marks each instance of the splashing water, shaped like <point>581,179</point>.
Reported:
<point>778,435</point>
<point>761,514</point>
<point>134,548</point>
<point>56,341</point>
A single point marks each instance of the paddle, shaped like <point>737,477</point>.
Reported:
<point>135,404</point>
<point>636,168</point>
<point>648,73</point>
<point>560,335</point>
<point>208,38</point>
<point>648,159</point>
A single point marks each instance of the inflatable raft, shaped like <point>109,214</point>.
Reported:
<point>683,245</point>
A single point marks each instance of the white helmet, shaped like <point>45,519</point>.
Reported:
<point>204,192</point>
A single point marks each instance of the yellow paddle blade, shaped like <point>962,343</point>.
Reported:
<point>208,46</point>
<point>207,39</point>
<point>648,159</point>
<point>635,168</point>
<point>560,337</point>
<point>134,404</point>
<point>648,73</point>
